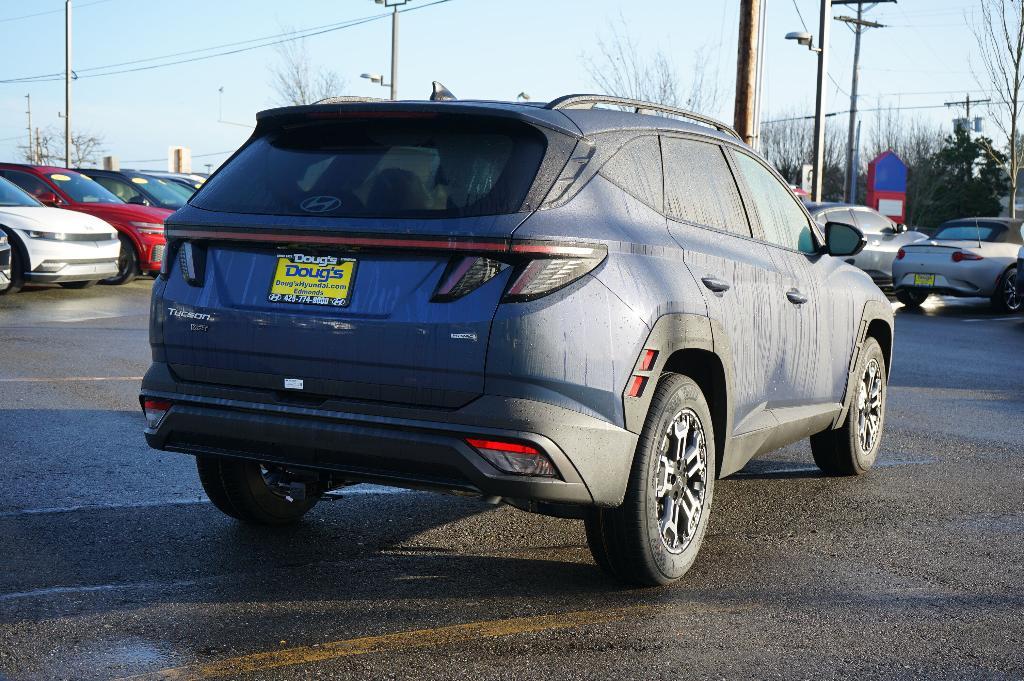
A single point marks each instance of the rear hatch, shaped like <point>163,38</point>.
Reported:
<point>347,255</point>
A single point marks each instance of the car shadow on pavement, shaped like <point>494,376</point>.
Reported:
<point>378,547</point>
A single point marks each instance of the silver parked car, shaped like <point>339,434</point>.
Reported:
<point>969,257</point>
<point>884,237</point>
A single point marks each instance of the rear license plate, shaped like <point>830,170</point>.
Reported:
<point>312,280</point>
<point>924,280</point>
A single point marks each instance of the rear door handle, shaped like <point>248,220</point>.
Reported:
<point>796,297</point>
<point>716,285</point>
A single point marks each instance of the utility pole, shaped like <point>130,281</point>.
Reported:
<point>819,109</point>
<point>67,83</point>
<point>966,101</point>
<point>858,24</point>
<point>745,108</point>
<point>31,149</point>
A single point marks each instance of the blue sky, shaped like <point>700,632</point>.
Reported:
<point>478,48</point>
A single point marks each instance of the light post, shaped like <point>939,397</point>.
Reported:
<point>806,39</point>
<point>67,83</point>
<point>379,80</point>
<point>394,5</point>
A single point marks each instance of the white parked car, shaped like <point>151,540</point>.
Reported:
<point>54,246</point>
<point>969,257</point>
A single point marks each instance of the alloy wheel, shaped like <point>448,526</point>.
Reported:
<point>869,406</point>
<point>1013,301</point>
<point>681,484</point>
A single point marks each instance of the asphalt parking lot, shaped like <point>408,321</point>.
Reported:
<point>114,565</point>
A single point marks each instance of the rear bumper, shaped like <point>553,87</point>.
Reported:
<point>387,444</point>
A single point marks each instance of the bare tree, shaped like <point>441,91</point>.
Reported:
<point>296,81</point>
<point>620,68</point>
<point>788,143</point>
<point>1000,35</point>
<point>917,143</point>
<point>49,148</point>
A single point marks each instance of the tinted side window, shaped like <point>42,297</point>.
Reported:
<point>118,188</point>
<point>636,168</point>
<point>30,183</point>
<point>784,223</point>
<point>699,186</point>
<point>870,221</point>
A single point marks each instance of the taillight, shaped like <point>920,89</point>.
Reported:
<point>550,268</point>
<point>514,457</point>
<point>540,268</point>
<point>192,260</point>
<point>465,274</point>
<point>900,254</point>
<point>155,409</point>
<point>960,256</point>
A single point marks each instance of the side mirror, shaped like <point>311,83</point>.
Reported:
<point>843,240</point>
<point>49,199</point>
<point>139,200</point>
<point>900,228</point>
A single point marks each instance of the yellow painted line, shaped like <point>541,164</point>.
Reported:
<point>404,640</point>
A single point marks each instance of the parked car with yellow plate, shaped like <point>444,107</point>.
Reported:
<point>967,257</point>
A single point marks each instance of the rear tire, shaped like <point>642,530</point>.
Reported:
<point>654,536</point>
<point>239,489</point>
<point>910,298</point>
<point>78,284</point>
<point>852,448</point>
<point>1005,298</point>
<point>127,264</point>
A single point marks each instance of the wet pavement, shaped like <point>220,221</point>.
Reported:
<point>114,565</point>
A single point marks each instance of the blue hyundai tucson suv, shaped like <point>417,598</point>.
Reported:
<point>590,308</point>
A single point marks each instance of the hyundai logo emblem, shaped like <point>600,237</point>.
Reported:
<point>320,204</point>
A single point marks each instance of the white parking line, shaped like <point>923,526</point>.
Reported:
<point>996,319</point>
<point>67,379</point>
<point>356,490</point>
<point>56,590</point>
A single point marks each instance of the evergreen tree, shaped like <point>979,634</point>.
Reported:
<point>973,180</point>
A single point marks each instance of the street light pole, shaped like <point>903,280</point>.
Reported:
<point>819,110</point>
<point>67,83</point>
<point>394,53</point>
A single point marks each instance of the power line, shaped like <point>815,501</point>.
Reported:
<point>840,113</point>
<point>157,160</point>
<point>52,11</point>
<point>291,35</point>
<point>801,16</point>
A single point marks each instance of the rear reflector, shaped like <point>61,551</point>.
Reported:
<point>636,387</point>
<point>647,361</point>
<point>514,457</point>
<point>155,410</point>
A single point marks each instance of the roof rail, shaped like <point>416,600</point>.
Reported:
<point>348,99</point>
<point>638,106</point>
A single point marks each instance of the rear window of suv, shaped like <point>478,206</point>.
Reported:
<point>430,168</point>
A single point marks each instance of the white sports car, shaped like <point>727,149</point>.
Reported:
<point>969,257</point>
<point>50,245</point>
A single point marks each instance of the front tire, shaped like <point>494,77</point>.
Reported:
<point>911,298</point>
<point>653,537</point>
<point>1005,298</point>
<point>240,489</point>
<point>853,447</point>
<point>127,264</point>
<point>17,271</point>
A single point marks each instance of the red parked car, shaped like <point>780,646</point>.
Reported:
<point>141,227</point>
